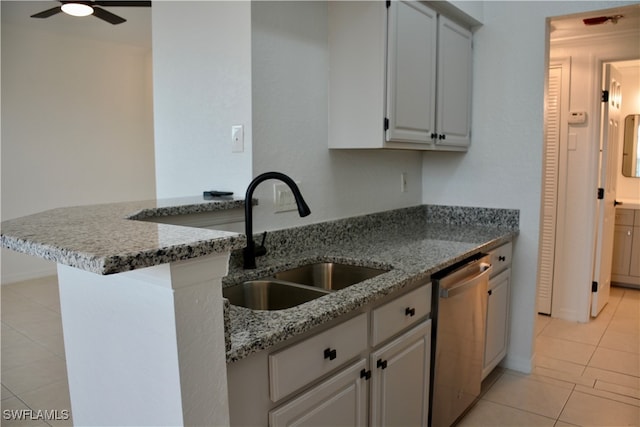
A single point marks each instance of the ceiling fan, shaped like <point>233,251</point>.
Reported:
<point>85,8</point>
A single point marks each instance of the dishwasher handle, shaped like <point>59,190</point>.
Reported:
<point>485,269</point>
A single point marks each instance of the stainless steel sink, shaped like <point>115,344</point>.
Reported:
<point>329,275</point>
<point>270,294</point>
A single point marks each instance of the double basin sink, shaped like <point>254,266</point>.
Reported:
<point>293,287</point>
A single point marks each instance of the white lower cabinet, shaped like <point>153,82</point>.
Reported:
<point>341,400</point>
<point>370,370</point>
<point>400,379</point>
<point>497,316</point>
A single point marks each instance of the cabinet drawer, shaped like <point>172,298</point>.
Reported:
<point>501,257</point>
<point>298,365</point>
<point>636,222</point>
<point>624,216</point>
<point>400,313</point>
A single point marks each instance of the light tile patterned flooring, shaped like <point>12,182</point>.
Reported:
<point>585,374</point>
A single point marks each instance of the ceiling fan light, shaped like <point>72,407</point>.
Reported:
<point>77,9</point>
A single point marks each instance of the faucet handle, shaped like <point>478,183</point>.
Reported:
<point>260,249</point>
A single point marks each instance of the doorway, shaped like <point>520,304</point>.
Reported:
<point>569,211</point>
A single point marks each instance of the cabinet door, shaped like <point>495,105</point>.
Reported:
<point>622,240</point>
<point>454,84</point>
<point>411,72</point>
<point>497,320</point>
<point>634,264</point>
<point>339,401</point>
<point>400,379</point>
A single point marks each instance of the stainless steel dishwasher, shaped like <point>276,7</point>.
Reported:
<point>459,307</point>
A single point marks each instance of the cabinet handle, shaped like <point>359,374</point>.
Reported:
<point>490,291</point>
<point>410,311</point>
<point>502,258</point>
<point>381,364</point>
<point>442,136</point>
<point>330,354</point>
<point>365,374</point>
<point>434,135</point>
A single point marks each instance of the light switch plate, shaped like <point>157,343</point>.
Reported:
<point>237,139</point>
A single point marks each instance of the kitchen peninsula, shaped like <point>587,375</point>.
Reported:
<point>142,307</point>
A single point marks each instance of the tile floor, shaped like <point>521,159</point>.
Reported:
<point>34,375</point>
<point>585,374</point>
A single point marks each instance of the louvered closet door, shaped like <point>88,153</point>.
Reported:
<point>550,190</point>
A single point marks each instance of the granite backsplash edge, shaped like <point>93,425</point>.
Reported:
<point>280,242</point>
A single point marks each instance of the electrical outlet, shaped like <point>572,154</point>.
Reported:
<point>403,182</point>
<point>283,198</point>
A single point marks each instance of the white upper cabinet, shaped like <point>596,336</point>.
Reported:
<point>411,72</point>
<point>453,116</point>
<point>400,77</point>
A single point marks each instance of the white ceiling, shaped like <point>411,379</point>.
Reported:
<point>136,31</point>
<point>570,26</point>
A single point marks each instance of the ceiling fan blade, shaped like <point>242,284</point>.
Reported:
<point>107,16</point>
<point>47,13</point>
<point>122,3</point>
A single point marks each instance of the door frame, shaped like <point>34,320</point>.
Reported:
<point>581,292</point>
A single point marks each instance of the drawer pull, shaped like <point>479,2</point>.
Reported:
<point>410,311</point>
<point>381,364</point>
<point>330,354</point>
<point>502,258</point>
<point>365,374</point>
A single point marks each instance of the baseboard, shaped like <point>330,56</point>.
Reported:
<point>626,281</point>
<point>519,364</point>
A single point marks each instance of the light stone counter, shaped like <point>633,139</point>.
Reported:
<point>154,332</point>
<point>108,238</point>
<point>628,204</point>
<point>412,243</point>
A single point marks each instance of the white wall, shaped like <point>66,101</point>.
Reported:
<point>629,188</point>
<point>503,166</point>
<point>77,128</point>
<point>202,86</point>
<point>290,117</point>
<point>263,65</point>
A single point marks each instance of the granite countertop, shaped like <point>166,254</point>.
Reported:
<point>628,204</point>
<point>112,238</point>
<point>412,243</point>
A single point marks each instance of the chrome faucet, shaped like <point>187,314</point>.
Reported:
<point>250,252</point>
